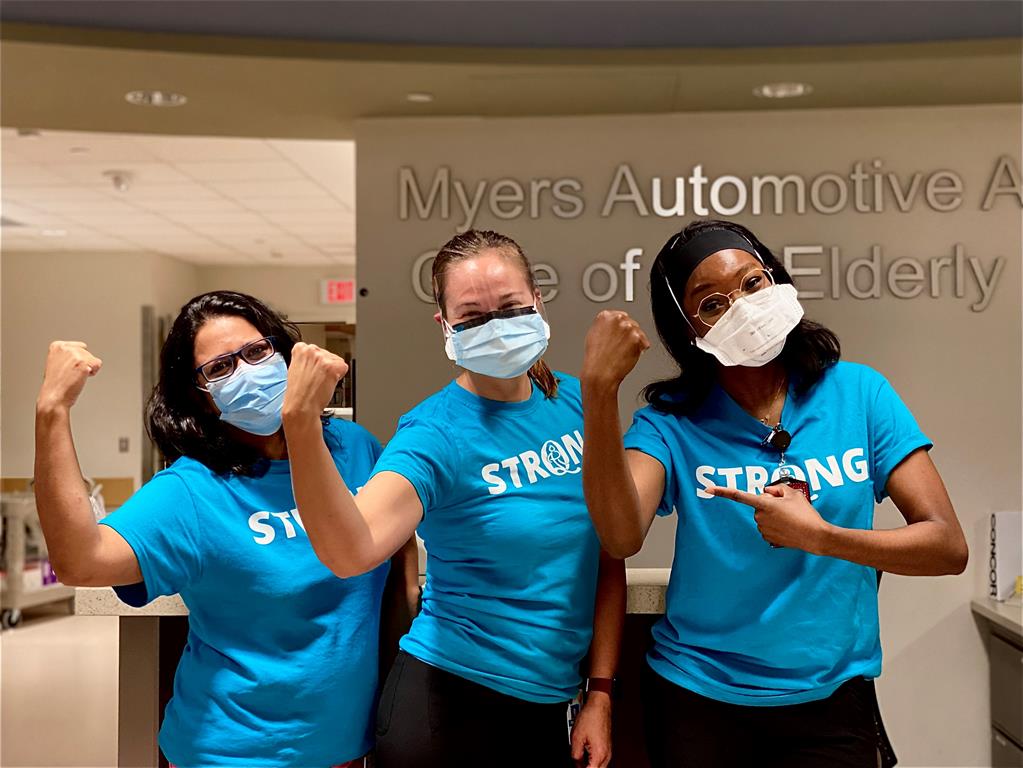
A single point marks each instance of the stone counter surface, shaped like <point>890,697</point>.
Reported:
<point>645,595</point>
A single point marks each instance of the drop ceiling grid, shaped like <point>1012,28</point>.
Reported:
<point>192,198</point>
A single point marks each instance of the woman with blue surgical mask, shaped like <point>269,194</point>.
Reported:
<point>281,664</point>
<point>488,469</point>
<point>772,453</point>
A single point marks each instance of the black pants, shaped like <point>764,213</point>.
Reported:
<point>429,718</point>
<point>686,730</point>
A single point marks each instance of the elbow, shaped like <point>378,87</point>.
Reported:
<point>621,547</point>
<point>347,566</point>
<point>958,558</point>
<point>73,575</point>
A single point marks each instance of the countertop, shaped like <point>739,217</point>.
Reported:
<point>1008,615</point>
<point>645,595</point>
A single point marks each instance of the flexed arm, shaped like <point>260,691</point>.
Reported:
<point>350,536</point>
<point>623,488</point>
<point>81,552</point>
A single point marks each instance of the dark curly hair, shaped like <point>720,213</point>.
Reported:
<point>809,350</point>
<point>178,419</point>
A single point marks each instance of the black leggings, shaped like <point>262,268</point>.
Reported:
<point>686,730</point>
<point>429,718</point>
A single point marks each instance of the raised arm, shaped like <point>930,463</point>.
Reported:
<point>349,536</point>
<point>81,552</point>
<point>622,488</point>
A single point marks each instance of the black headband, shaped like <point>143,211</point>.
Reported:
<point>684,259</point>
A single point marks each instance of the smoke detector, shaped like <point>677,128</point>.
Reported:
<point>120,179</point>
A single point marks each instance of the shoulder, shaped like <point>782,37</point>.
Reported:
<point>429,422</point>
<point>437,404</point>
<point>850,376</point>
<point>651,418</point>
<point>187,471</point>
<point>350,434</point>
<point>568,384</point>
<point>568,387</point>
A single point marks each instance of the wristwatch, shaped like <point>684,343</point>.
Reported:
<point>608,685</point>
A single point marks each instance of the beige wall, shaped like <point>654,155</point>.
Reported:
<point>958,369</point>
<point>98,298</point>
<point>292,290</point>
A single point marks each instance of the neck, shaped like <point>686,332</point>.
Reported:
<point>755,389</point>
<point>504,390</point>
<point>273,447</point>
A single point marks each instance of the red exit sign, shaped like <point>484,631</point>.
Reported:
<point>337,291</point>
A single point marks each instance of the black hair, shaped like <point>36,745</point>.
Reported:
<point>809,350</point>
<point>178,418</point>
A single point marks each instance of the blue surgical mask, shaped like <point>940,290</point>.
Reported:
<point>502,347</point>
<point>251,398</point>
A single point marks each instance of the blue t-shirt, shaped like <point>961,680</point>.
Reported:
<point>280,668</point>
<point>511,553</point>
<point>745,623</point>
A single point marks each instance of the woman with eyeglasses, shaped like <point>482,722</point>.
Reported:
<point>281,663</point>
<point>772,453</point>
<point>489,470</point>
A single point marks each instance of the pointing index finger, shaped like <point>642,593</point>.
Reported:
<point>734,494</point>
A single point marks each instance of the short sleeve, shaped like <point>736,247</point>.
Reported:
<point>160,524</point>
<point>423,454</point>
<point>355,451</point>
<point>894,434</point>
<point>646,436</point>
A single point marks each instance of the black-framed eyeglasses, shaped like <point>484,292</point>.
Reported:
<point>222,366</point>
<point>500,314</point>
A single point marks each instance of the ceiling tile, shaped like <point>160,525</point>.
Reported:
<point>241,171</point>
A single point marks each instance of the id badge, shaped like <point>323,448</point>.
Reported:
<point>794,482</point>
<point>572,712</point>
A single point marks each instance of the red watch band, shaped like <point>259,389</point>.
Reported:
<point>600,684</point>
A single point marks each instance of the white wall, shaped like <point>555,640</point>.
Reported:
<point>958,369</point>
<point>98,299</point>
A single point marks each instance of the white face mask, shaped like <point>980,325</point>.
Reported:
<point>753,330</point>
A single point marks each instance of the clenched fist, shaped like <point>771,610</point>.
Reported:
<point>312,377</point>
<point>613,347</point>
<point>69,364</point>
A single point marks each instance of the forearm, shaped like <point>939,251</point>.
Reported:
<point>608,617</point>
<point>66,516</point>
<point>925,548</point>
<point>607,480</point>
<point>340,535</point>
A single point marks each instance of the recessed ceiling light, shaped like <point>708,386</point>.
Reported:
<point>782,90</point>
<point>53,232</point>
<point>419,97</point>
<point>155,98</point>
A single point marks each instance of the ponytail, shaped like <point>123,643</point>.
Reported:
<point>544,378</point>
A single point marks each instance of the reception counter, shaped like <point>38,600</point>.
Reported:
<point>151,640</point>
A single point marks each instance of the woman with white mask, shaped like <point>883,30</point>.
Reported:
<point>770,640</point>
<point>488,469</point>
<point>280,669</point>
